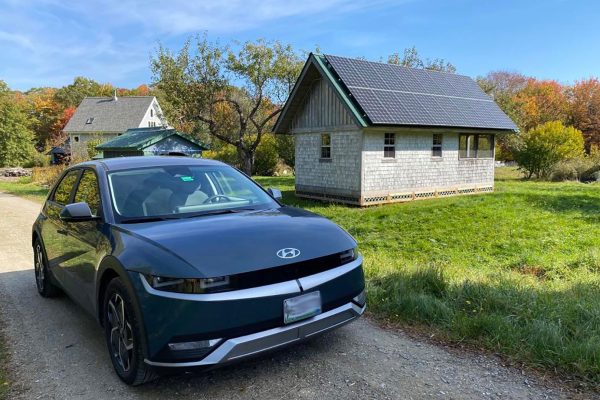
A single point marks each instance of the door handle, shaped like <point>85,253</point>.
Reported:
<point>62,231</point>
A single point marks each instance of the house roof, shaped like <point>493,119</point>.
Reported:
<point>140,138</point>
<point>109,115</point>
<point>379,94</point>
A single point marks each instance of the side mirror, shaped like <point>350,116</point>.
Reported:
<point>275,193</point>
<point>76,212</point>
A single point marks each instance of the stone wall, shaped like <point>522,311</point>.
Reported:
<point>414,168</point>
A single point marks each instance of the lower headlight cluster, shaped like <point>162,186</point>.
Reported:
<point>191,286</point>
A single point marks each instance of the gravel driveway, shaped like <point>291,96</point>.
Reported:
<point>58,352</point>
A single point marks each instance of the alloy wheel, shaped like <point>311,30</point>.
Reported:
<point>121,334</point>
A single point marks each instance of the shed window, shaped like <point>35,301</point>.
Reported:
<point>476,146</point>
<point>76,138</point>
<point>436,148</point>
<point>326,146</point>
<point>151,112</point>
<point>389,145</point>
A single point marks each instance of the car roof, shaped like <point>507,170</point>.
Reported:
<point>121,163</point>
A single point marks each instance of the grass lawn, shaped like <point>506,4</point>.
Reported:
<point>516,271</point>
<point>4,383</point>
<point>24,188</point>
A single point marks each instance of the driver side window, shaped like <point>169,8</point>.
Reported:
<point>87,191</point>
<point>62,194</point>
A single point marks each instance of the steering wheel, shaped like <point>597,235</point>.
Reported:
<point>215,199</point>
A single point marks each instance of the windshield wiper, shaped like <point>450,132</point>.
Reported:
<point>145,219</point>
<point>218,212</point>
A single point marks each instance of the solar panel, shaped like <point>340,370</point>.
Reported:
<point>396,95</point>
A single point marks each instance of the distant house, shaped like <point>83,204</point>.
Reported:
<point>104,118</point>
<point>151,142</point>
<point>369,133</point>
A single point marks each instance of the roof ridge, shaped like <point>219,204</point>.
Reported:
<point>397,65</point>
<point>119,97</point>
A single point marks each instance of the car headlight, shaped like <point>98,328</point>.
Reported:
<point>193,286</point>
<point>349,255</point>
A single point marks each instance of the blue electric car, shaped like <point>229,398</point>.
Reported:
<point>189,263</point>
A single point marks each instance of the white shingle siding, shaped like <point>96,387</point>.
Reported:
<point>340,175</point>
<point>414,168</point>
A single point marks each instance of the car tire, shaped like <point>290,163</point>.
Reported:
<point>44,281</point>
<point>124,338</point>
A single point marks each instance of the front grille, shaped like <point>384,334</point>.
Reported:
<point>288,272</point>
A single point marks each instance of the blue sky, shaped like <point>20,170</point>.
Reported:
<point>49,42</point>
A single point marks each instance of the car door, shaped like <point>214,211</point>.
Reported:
<point>83,237</point>
<point>54,231</point>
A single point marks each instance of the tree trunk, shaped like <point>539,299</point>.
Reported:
<point>246,157</point>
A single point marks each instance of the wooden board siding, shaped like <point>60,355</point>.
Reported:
<point>322,110</point>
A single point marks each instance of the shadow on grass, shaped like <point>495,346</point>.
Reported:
<point>566,202</point>
<point>558,330</point>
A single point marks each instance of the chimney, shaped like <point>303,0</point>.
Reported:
<point>115,96</point>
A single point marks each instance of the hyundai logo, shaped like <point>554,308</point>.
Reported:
<point>288,252</point>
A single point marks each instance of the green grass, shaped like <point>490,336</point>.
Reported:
<point>24,188</point>
<point>516,271</point>
<point>4,382</point>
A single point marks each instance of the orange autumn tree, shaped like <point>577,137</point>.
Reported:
<point>584,112</point>
<point>57,136</point>
<point>540,102</point>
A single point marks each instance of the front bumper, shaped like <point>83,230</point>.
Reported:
<point>256,343</point>
<point>248,321</point>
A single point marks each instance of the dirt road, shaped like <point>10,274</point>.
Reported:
<point>58,352</point>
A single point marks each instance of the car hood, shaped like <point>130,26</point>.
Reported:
<point>242,242</point>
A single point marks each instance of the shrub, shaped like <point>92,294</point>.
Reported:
<point>564,171</point>
<point>266,157</point>
<point>46,176</point>
<point>544,146</point>
<point>286,150</point>
<point>227,154</point>
<point>91,146</point>
<point>37,160</point>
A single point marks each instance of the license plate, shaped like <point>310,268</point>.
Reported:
<point>301,307</point>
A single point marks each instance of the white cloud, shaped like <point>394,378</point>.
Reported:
<point>44,41</point>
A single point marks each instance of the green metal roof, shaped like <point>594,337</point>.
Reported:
<point>140,138</point>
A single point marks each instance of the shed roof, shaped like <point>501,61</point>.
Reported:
<point>140,138</point>
<point>105,114</point>
<point>381,94</point>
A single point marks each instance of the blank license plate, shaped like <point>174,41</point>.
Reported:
<point>301,307</point>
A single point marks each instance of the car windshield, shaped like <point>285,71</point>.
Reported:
<point>179,191</point>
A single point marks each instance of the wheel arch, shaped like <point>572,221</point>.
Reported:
<point>110,268</point>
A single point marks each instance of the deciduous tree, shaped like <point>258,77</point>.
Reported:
<point>540,102</point>
<point>234,95</point>
<point>16,138</point>
<point>584,111</point>
<point>71,95</point>
<point>411,58</point>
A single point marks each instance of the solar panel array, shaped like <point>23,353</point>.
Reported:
<point>396,95</point>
